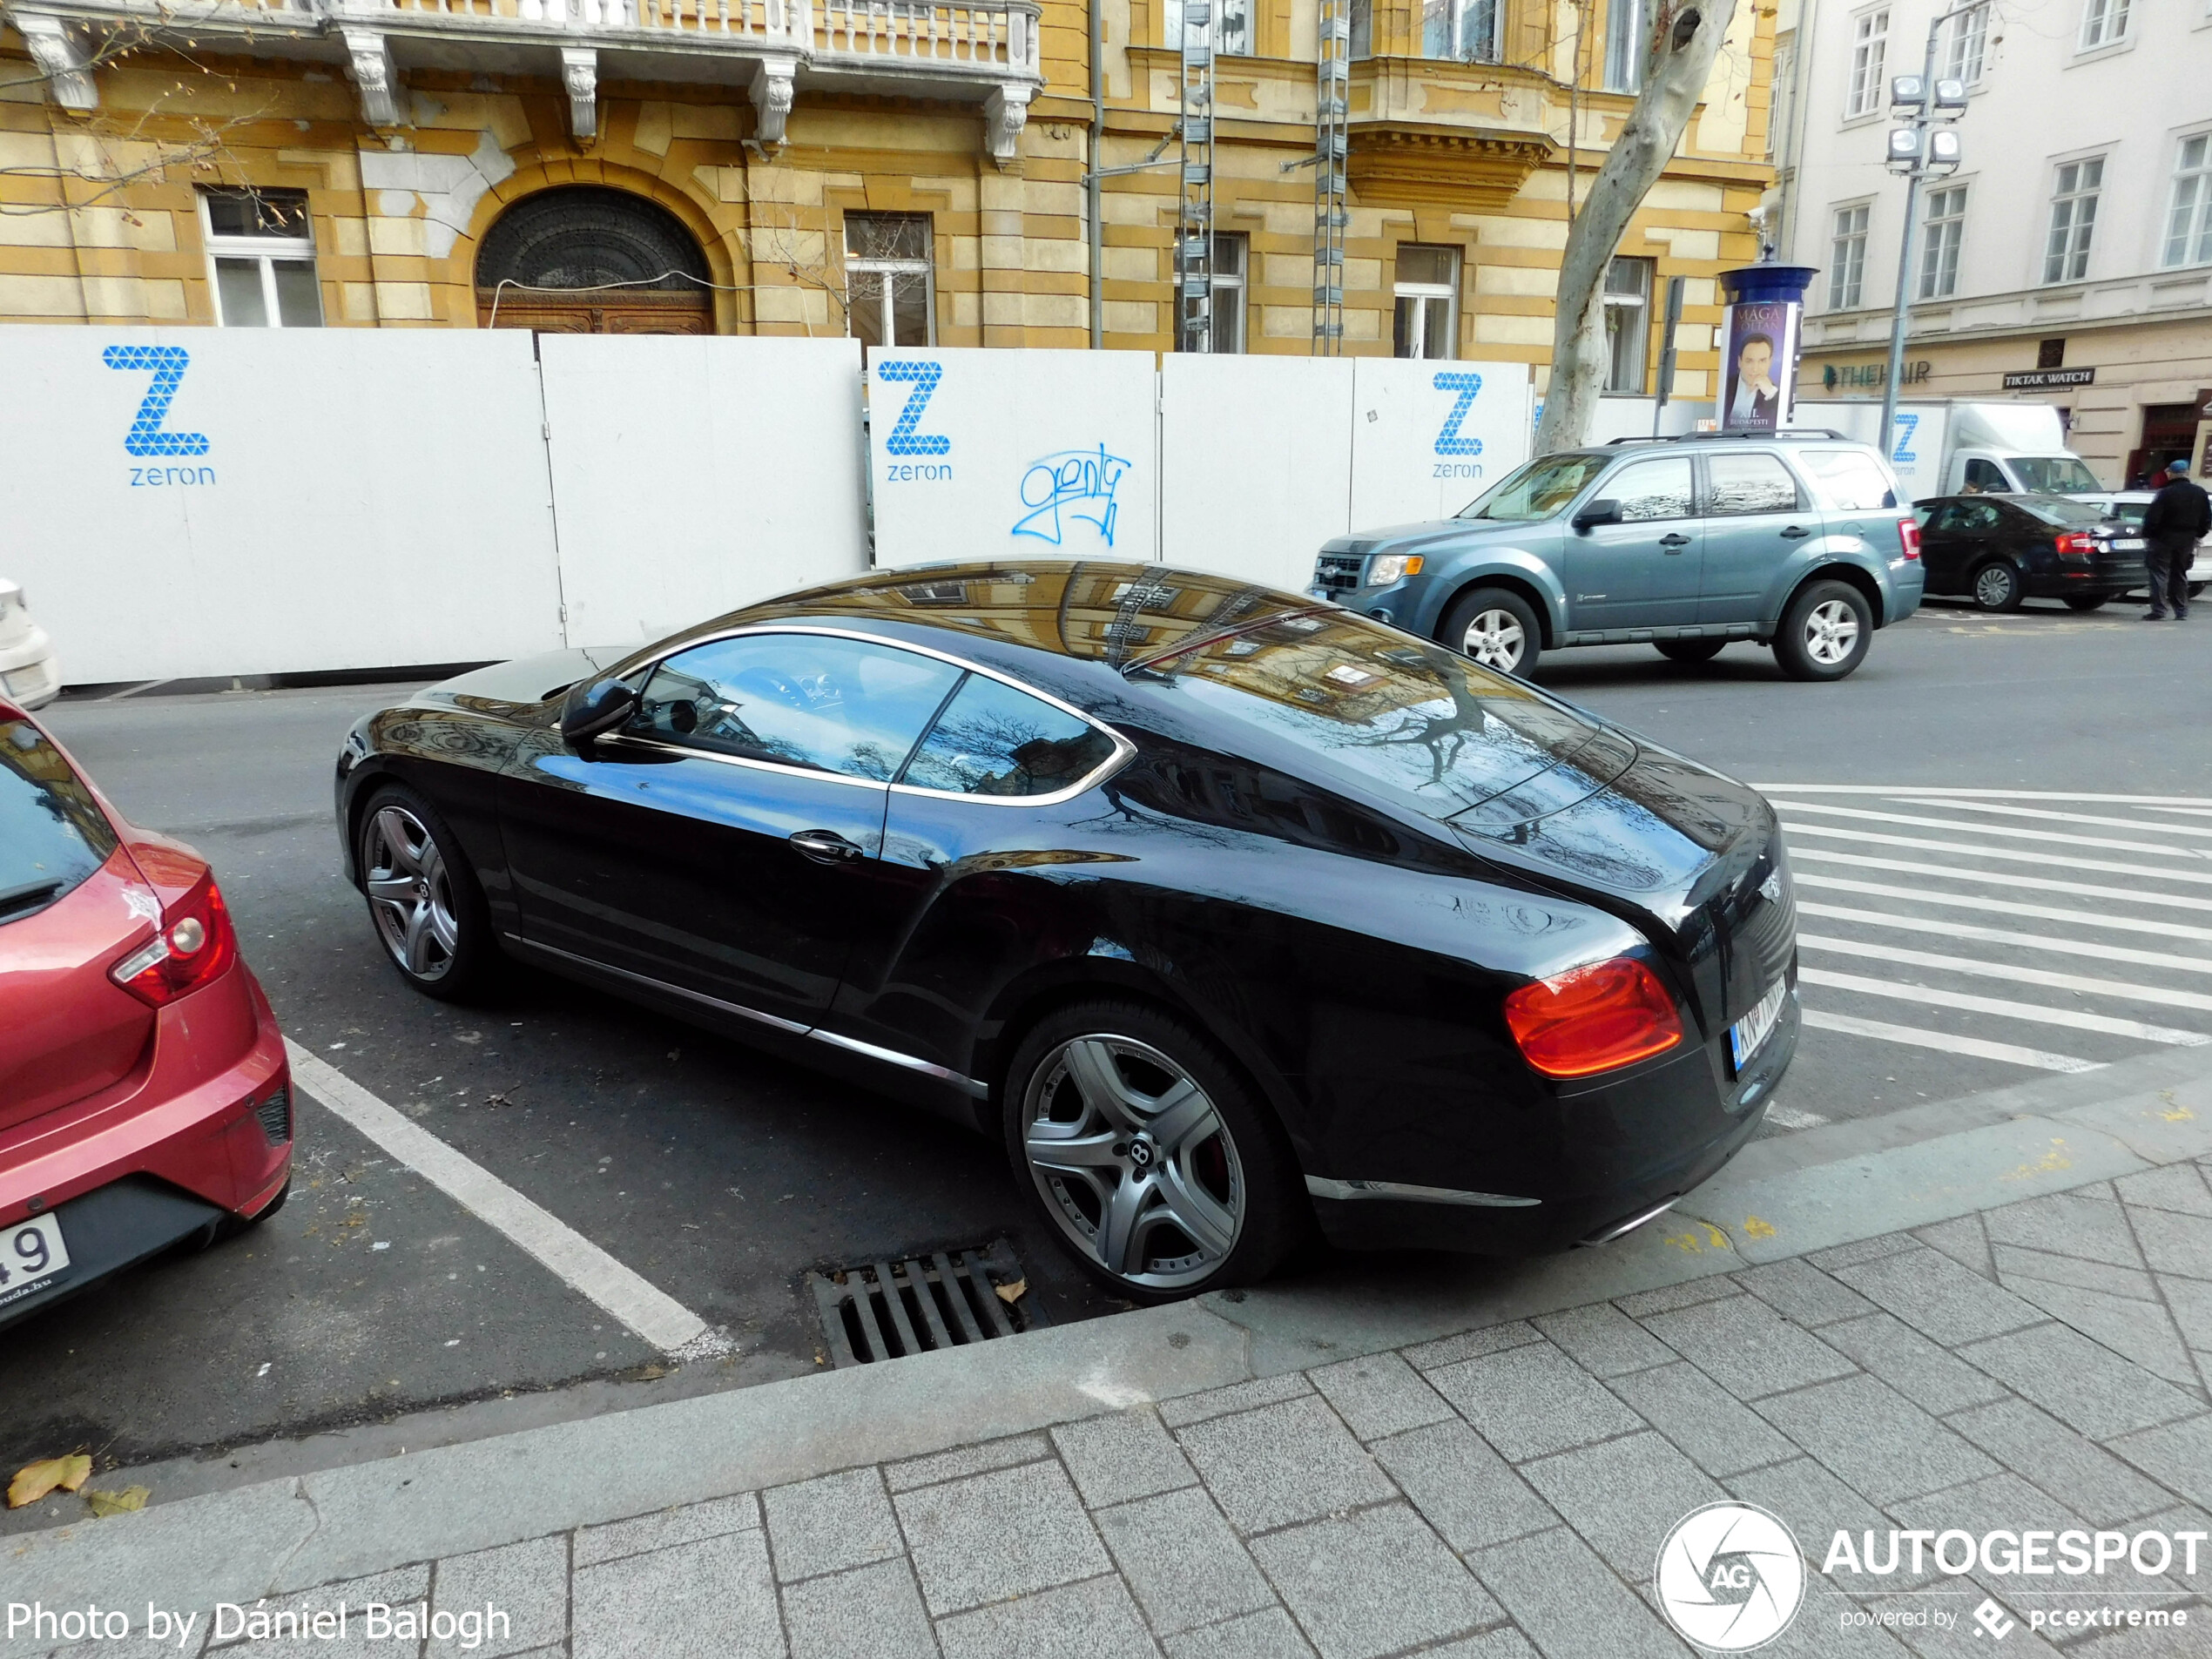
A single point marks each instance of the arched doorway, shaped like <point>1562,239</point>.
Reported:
<point>583,260</point>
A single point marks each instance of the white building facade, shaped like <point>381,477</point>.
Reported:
<point>2068,260</point>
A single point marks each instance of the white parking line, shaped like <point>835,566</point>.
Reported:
<point>2060,818</point>
<point>1975,1046</point>
<point>2076,1019</point>
<point>1950,929</point>
<point>2007,879</point>
<point>2084,919</point>
<point>2011,855</point>
<point>1897,955</point>
<point>574,1260</point>
<point>2184,802</point>
<point>1865,816</point>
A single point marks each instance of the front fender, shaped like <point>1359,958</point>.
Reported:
<point>1525,566</point>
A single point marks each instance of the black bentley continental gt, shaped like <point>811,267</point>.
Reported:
<point>1229,911</point>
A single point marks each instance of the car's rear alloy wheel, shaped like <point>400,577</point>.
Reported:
<point>1997,587</point>
<point>1495,627</point>
<point>423,898</point>
<point>1143,1151</point>
<point>1825,632</point>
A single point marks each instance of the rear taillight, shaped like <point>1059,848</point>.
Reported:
<point>1593,1019</point>
<point>1908,532</point>
<point>2074,545</point>
<point>196,943</point>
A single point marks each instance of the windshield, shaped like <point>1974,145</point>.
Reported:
<point>1411,720</point>
<point>52,834</point>
<point>2056,509</point>
<point>1539,489</point>
<point>2060,475</point>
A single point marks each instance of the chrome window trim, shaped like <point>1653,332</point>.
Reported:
<point>793,1028</point>
<point>1124,751</point>
<point>1322,1186</point>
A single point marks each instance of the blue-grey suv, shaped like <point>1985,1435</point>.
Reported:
<point>1794,540</point>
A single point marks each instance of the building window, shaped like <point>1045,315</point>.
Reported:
<point>2189,226</point>
<point>2074,220</point>
<point>1464,29</point>
<point>2104,21</point>
<point>1229,253</point>
<point>1628,324</point>
<point>1947,222</point>
<point>1869,48</point>
<point>1362,28</point>
<point>1966,47</point>
<point>1627,32</point>
<point>1232,21</point>
<point>1427,291</point>
<point>889,276</point>
<point>261,253</point>
<point>1847,263</point>
<point>2050,354</point>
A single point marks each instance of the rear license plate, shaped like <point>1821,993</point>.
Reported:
<point>1754,1028</point>
<point>32,1256</point>
<point>2131,546</point>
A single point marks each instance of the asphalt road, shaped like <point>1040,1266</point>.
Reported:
<point>722,1176</point>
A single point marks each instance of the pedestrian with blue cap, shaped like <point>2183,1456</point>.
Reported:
<point>2179,516</point>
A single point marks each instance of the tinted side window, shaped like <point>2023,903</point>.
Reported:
<point>840,706</point>
<point>1651,489</point>
<point>1985,475</point>
<point>994,740</point>
<point>1750,483</point>
<point>1977,517</point>
<point>1848,481</point>
<point>52,834</point>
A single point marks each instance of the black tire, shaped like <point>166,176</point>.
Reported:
<point>1691,651</point>
<point>1995,584</point>
<point>2086,601</point>
<point>1809,644</point>
<point>2195,588</point>
<point>1235,1158</point>
<point>461,956</point>
<point>1501,610</point>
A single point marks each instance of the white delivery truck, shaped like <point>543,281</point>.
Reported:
<point>1947,447</point>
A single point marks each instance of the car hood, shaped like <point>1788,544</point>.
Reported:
<point>526,682</point>
<point>1412,538</point>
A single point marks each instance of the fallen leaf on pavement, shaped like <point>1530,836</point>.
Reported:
<point>36,1481</point>
<point>116,1503</point>
<point>1012,1293</point>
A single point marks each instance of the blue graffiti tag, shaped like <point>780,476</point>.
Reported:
<point>1448,441</point>
<point>1082,481</point>
<point>147,436</point>
<point>1905,425</point>
<point>905,439</point>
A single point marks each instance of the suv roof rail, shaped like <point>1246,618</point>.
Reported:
<point>1814,432</point>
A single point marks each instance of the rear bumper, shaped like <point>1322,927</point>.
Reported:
<point>2107,579</point>
<point>31,675</point>
<point>199,1133</point>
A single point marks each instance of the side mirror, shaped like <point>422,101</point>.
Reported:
<point>1598,512</point>
<point>594,707</point>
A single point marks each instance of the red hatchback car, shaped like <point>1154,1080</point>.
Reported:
<point>145,1099</point>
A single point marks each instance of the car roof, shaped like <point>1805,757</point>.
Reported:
<point>1728,440</point>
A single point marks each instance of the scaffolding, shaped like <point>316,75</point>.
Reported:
<point>1332,147</point>
<point>1194,226</point>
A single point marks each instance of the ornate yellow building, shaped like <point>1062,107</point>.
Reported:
<point>907,172</point>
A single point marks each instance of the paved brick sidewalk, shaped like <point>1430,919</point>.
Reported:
<point>1502,1490</point>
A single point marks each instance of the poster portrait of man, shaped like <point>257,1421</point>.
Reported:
<point>1758,363</point>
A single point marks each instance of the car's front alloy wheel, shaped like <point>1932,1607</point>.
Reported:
<point>423,896</point>
<point>1496,627</point>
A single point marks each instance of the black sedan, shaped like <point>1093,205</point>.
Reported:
<point>2000,550</point>
<point>1226,910</point>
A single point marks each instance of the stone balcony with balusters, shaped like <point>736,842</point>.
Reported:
<point>980,51</point>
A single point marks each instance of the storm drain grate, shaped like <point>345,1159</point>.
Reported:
<point>887,1310</point>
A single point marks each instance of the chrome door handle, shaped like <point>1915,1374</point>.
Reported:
<point>1796,532</point>
<point>1674,543</point>
<point>824,846</point>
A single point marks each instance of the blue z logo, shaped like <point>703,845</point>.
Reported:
<point>147,437</point>
<point>905,439</point>
<point>1448,441</point>
<point>1906,423</point>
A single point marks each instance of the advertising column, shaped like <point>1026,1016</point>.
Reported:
<point>1762,307</point>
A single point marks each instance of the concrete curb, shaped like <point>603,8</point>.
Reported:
<point>1781,1197</point>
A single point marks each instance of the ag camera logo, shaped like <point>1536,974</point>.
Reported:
<point>1730,1577</point>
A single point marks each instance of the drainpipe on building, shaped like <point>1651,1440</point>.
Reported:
<point>1091,187</point>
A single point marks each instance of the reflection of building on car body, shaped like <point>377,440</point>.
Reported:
<point>1226,912</point>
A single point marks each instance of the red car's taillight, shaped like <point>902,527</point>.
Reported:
<point>196,943</point>
<point>1908,532</point>
<point>2074,545</point>
<point>1593,1019</point>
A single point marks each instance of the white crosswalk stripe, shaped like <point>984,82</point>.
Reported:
<point>1904,892</point>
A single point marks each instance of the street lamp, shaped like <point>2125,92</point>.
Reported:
<point>1925,146</point>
